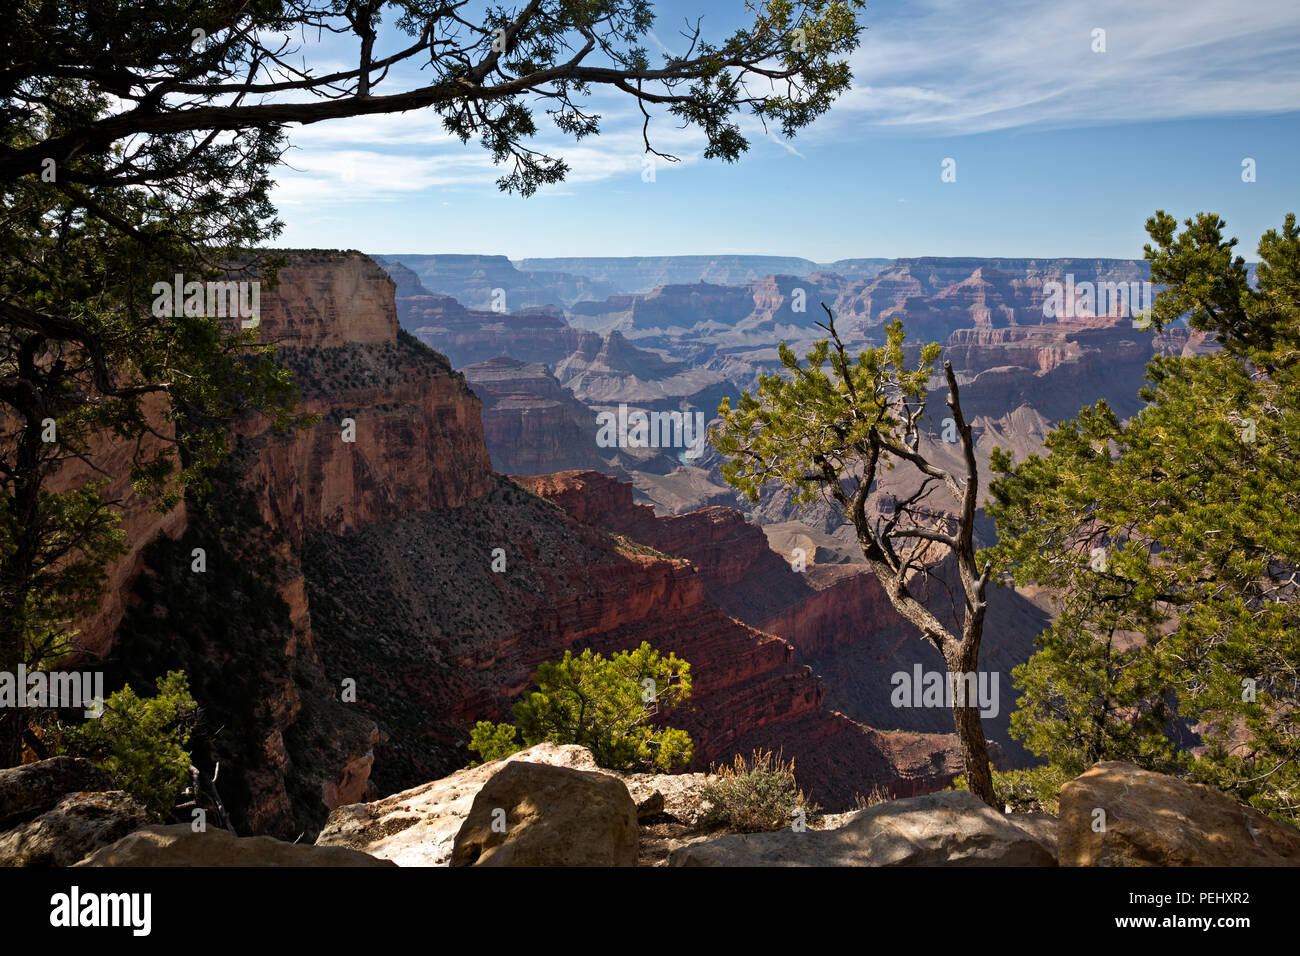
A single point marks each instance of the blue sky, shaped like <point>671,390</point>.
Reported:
<point>1059,150</point>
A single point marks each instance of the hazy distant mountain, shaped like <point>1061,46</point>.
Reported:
<point>487,282</point>
<point>643,273</point>
<point>491,282</point>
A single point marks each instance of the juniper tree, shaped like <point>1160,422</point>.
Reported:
<point>1172,540</point>
<point>139,140</point>
<point>833,433</point>
<point>142,742</point>
<point>613,706</point>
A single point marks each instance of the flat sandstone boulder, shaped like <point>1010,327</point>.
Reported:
<point>179,845</point>
<point>940,829</point>
<point>417,827</point>
<point>1041,826</point>
<point>28,790</point>
<point>79,824</point>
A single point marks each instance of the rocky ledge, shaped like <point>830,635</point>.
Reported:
<point>491,815</point>
<point>550,805</point>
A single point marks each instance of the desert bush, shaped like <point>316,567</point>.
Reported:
<point>754,795</point>
<point>875,797</point>
<point>612,706</point>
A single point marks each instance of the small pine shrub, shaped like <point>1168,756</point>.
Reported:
<point>602,704</point>
<point>493,741</point>
<point>754,795</point>
<point>141,741</point>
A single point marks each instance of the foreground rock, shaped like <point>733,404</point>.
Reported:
<point>672,795</point>
<point>31,789</point>
<point>179,845</point>
<point>1151,819</point>
<point>81,823</point>
<point>532,814</point>
<point>417,827</point>
<point>1042,827</point>
<point>940,829</point>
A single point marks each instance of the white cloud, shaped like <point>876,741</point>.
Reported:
<point>951,68</point>
<point>385,158</point>
<point>347,175</point>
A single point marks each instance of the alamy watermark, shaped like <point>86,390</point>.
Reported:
<point>58,689</point>
<point>1072,300</point>
<point>923,688</point>
<point>215,300</point>
<point>638,429</point>
<point>75,909</point>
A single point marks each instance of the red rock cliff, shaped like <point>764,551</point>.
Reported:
<point>416,429</point>
<point>836,617</point>
<point>418,445</point>
<point>439,640</point>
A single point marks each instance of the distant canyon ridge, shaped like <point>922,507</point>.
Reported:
<point>551,344</point>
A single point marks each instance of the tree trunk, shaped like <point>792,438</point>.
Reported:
<point>12,724</point>
<point>970,731</point>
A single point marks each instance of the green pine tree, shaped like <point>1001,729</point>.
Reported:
<point>141,741</point>
<point>1173,540</point>
<point>608,705</point>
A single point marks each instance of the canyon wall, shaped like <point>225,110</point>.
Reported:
<point>416,435</point>
<point>396,431</point>
<point>366,566</point>
<point>141,522</point>
<point>531,423</point>
<point>467,336</point>
<point>437,639</point>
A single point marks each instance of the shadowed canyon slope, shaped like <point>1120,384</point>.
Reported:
<point>419,599</point>
<point>837,616</point>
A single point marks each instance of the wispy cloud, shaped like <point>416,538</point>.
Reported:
<point>322,175</point>
<point>385,158</point>
<point>940,67</point>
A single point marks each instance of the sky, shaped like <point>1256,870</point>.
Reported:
<point>1058,148</point>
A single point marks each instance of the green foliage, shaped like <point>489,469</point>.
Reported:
<point>804,428</point>
<point>142,742</point>
<point>754,795</point>
<point>88,232</point>
<point>65,573</point>
<point>1034,790</point>
<point>493,741</point>
<point>1208,285</point>
<point>605,704</point>
<point>1171,538</point>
